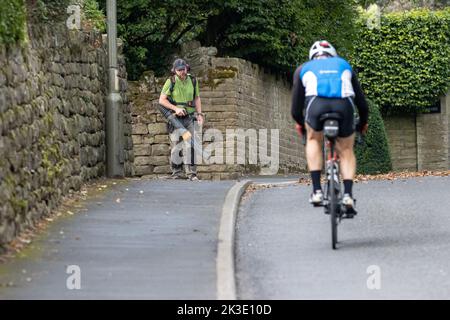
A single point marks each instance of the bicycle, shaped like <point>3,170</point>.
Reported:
<point>333,187</point>
<point>332,202</point>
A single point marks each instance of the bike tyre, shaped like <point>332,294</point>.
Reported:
<point>332,196</point>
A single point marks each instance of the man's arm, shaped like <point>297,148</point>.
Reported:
<point>198,105</point>
<point>360,101</point>
<point>164,100</point>
<point>298,98</point>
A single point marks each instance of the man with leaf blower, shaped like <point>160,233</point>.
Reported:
<point>181,105</point>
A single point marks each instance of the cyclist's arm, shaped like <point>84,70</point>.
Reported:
<point>298,98</point>
<point>360,101</point>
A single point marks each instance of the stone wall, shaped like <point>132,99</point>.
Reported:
<point>402,139</point>
<point>52,109</point>
<point>238,94</point>
<point>420,142</point>
<point>235,95</point>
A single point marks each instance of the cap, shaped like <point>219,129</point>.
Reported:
<point>179,64</point>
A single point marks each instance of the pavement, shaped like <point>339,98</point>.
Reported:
<point>397,247</point>
<point>139,239</point>
<point>182,240</point>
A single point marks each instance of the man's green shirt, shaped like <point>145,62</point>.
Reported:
<point>183,91</point>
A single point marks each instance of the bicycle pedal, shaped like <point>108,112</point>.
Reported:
<point>317,204</point>
<point>349,213</point>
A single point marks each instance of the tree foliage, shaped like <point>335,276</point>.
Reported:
<point>153,30</point>
<point>278,34</point>
<point>273,33</point>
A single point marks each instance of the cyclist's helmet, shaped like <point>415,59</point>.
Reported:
<point>321,47</point>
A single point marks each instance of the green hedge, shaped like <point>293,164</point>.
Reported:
<point>373,155</point>
<point>404,64</point>
<point>12,21</point>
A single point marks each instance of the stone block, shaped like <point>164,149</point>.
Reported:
<point>141,161</point>
<point>140,128</point>
<point>162,139</point>
<point>160,149</point>
<point>142,150</point>
<point>157,128</point>
<point>143,170</point>
<point>162,169</point>
<point>158,160</point>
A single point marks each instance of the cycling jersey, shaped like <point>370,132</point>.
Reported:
<point>327,78</point>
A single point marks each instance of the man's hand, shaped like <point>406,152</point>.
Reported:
<point>180,112</point>
<point>200,119</point>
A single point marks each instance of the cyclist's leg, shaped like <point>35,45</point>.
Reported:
<point>347,157</point>
<point>347,161</point>
<point>314,143</point>
<point>344,147</point>
<point>314,159</point>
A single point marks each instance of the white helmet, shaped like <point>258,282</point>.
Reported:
<point>321,47</point>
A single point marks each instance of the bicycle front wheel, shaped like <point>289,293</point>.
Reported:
<point>332,196</point>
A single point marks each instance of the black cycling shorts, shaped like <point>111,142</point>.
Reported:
<point>316,106</point>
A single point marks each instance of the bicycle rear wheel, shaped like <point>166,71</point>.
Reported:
<point>332,196</point>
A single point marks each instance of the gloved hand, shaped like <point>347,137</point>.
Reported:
<point>299,129</point>
<point>365,128</point>
<point>362,128</point>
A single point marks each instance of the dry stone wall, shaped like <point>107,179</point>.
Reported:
<point>52,126</point>
<point>236,95</point>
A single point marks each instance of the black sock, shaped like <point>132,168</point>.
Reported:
<point>315,177</point>
<point>348,184</point>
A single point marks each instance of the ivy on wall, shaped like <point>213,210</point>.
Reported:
<point>12,21</point>
<point>404,63</point>
<point>15,13</point>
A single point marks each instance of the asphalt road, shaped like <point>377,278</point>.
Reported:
<point>158,242</point>
<point>397,247</point>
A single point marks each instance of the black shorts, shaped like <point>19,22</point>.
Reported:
<point>316,106</point>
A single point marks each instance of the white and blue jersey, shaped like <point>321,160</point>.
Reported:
<point>328,78</point>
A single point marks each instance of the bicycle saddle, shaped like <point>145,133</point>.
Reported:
<point>330,116</point>
<point>330,124</point>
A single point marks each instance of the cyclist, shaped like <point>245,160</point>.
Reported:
<point>327,84</point>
